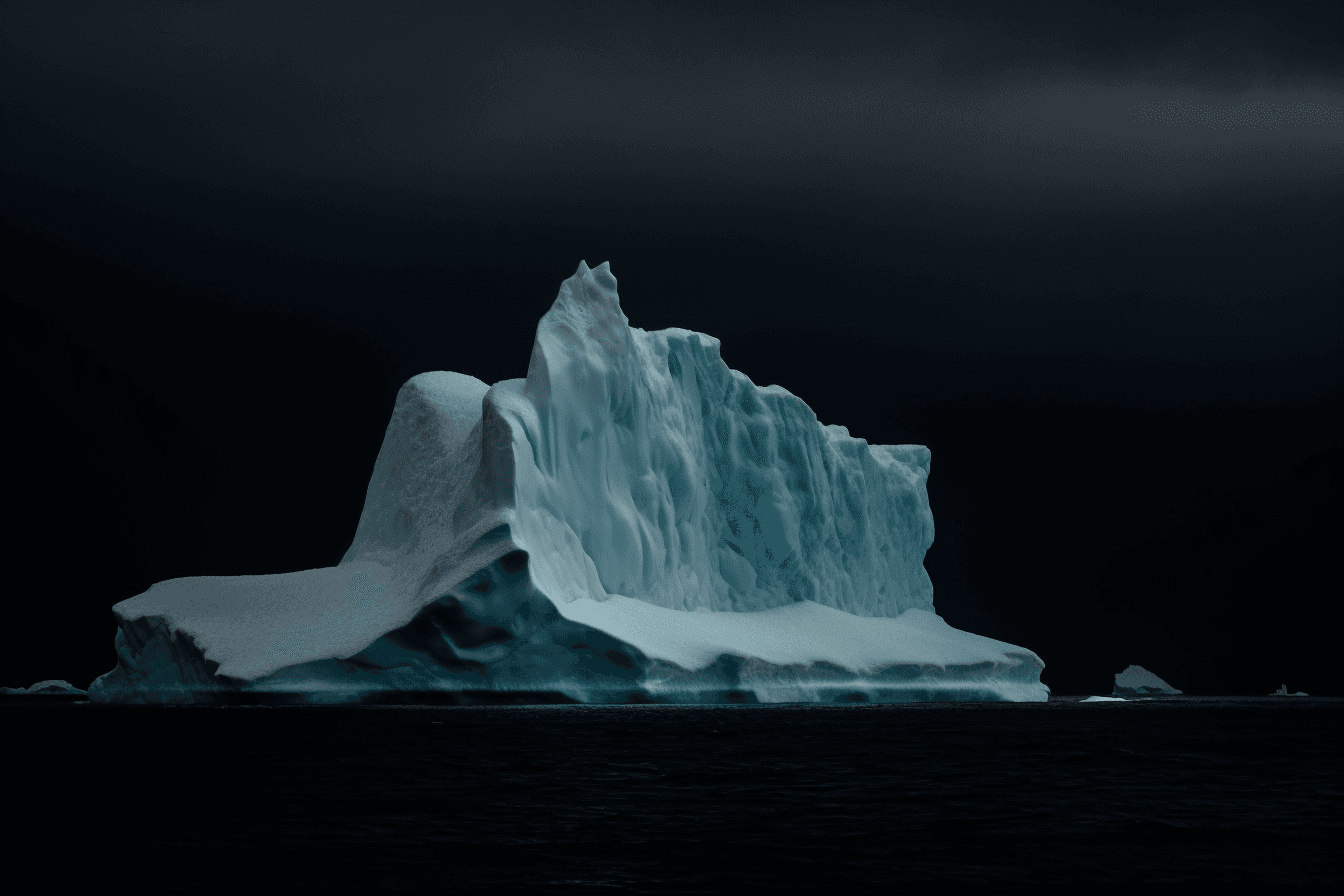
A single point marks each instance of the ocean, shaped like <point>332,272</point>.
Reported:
<point>679,799</point>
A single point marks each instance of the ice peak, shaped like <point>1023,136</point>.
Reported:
<point>584,338</point>
<point>587,304</point>
<point>591,286</point>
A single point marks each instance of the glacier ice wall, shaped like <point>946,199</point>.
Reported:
<point>631,520</point>
<point>660,474</point>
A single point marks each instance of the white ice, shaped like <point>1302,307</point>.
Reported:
<point>631,490</point>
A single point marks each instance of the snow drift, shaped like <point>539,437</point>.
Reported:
<point>634,521</point>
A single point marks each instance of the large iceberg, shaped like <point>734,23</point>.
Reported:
<point>632,522</point>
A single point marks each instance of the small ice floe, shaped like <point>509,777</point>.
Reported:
<point>1283,692</point>
<point>1104,700</point>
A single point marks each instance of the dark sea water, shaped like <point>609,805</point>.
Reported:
<point>676,799</point>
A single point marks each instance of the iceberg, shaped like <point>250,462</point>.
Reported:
<point>633,521</point>
<point>1283,692</point>
<point>1137,681</point>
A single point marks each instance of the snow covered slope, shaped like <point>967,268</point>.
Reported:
<point>632,521</point>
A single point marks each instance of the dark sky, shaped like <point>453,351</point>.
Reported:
<point>1087,252</point>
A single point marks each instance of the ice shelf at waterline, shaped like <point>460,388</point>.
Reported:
<point>634,521</point>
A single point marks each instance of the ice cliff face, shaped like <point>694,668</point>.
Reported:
<point>634,520</point>
<point>659,474</point>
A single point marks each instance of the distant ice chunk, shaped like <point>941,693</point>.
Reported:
<point>50,686</point>
<point>1283,692</point>
<point>633,521</point>
<point>1103,700</point>
<point>1137,681</point>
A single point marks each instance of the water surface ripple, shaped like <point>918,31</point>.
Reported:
<point>668,799</point>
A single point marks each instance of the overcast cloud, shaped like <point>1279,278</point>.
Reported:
<point>1106,179</point>
<point>878,102</point>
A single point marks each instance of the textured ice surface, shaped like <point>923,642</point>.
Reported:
<point>631,521</point>
<point>1137,681</point>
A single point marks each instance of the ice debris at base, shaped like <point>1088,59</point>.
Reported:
<point>1283,692</point>
<point>632,522</point>
<point>50,686</point>
<point>1104,700</point>
<point>1137,681</point>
